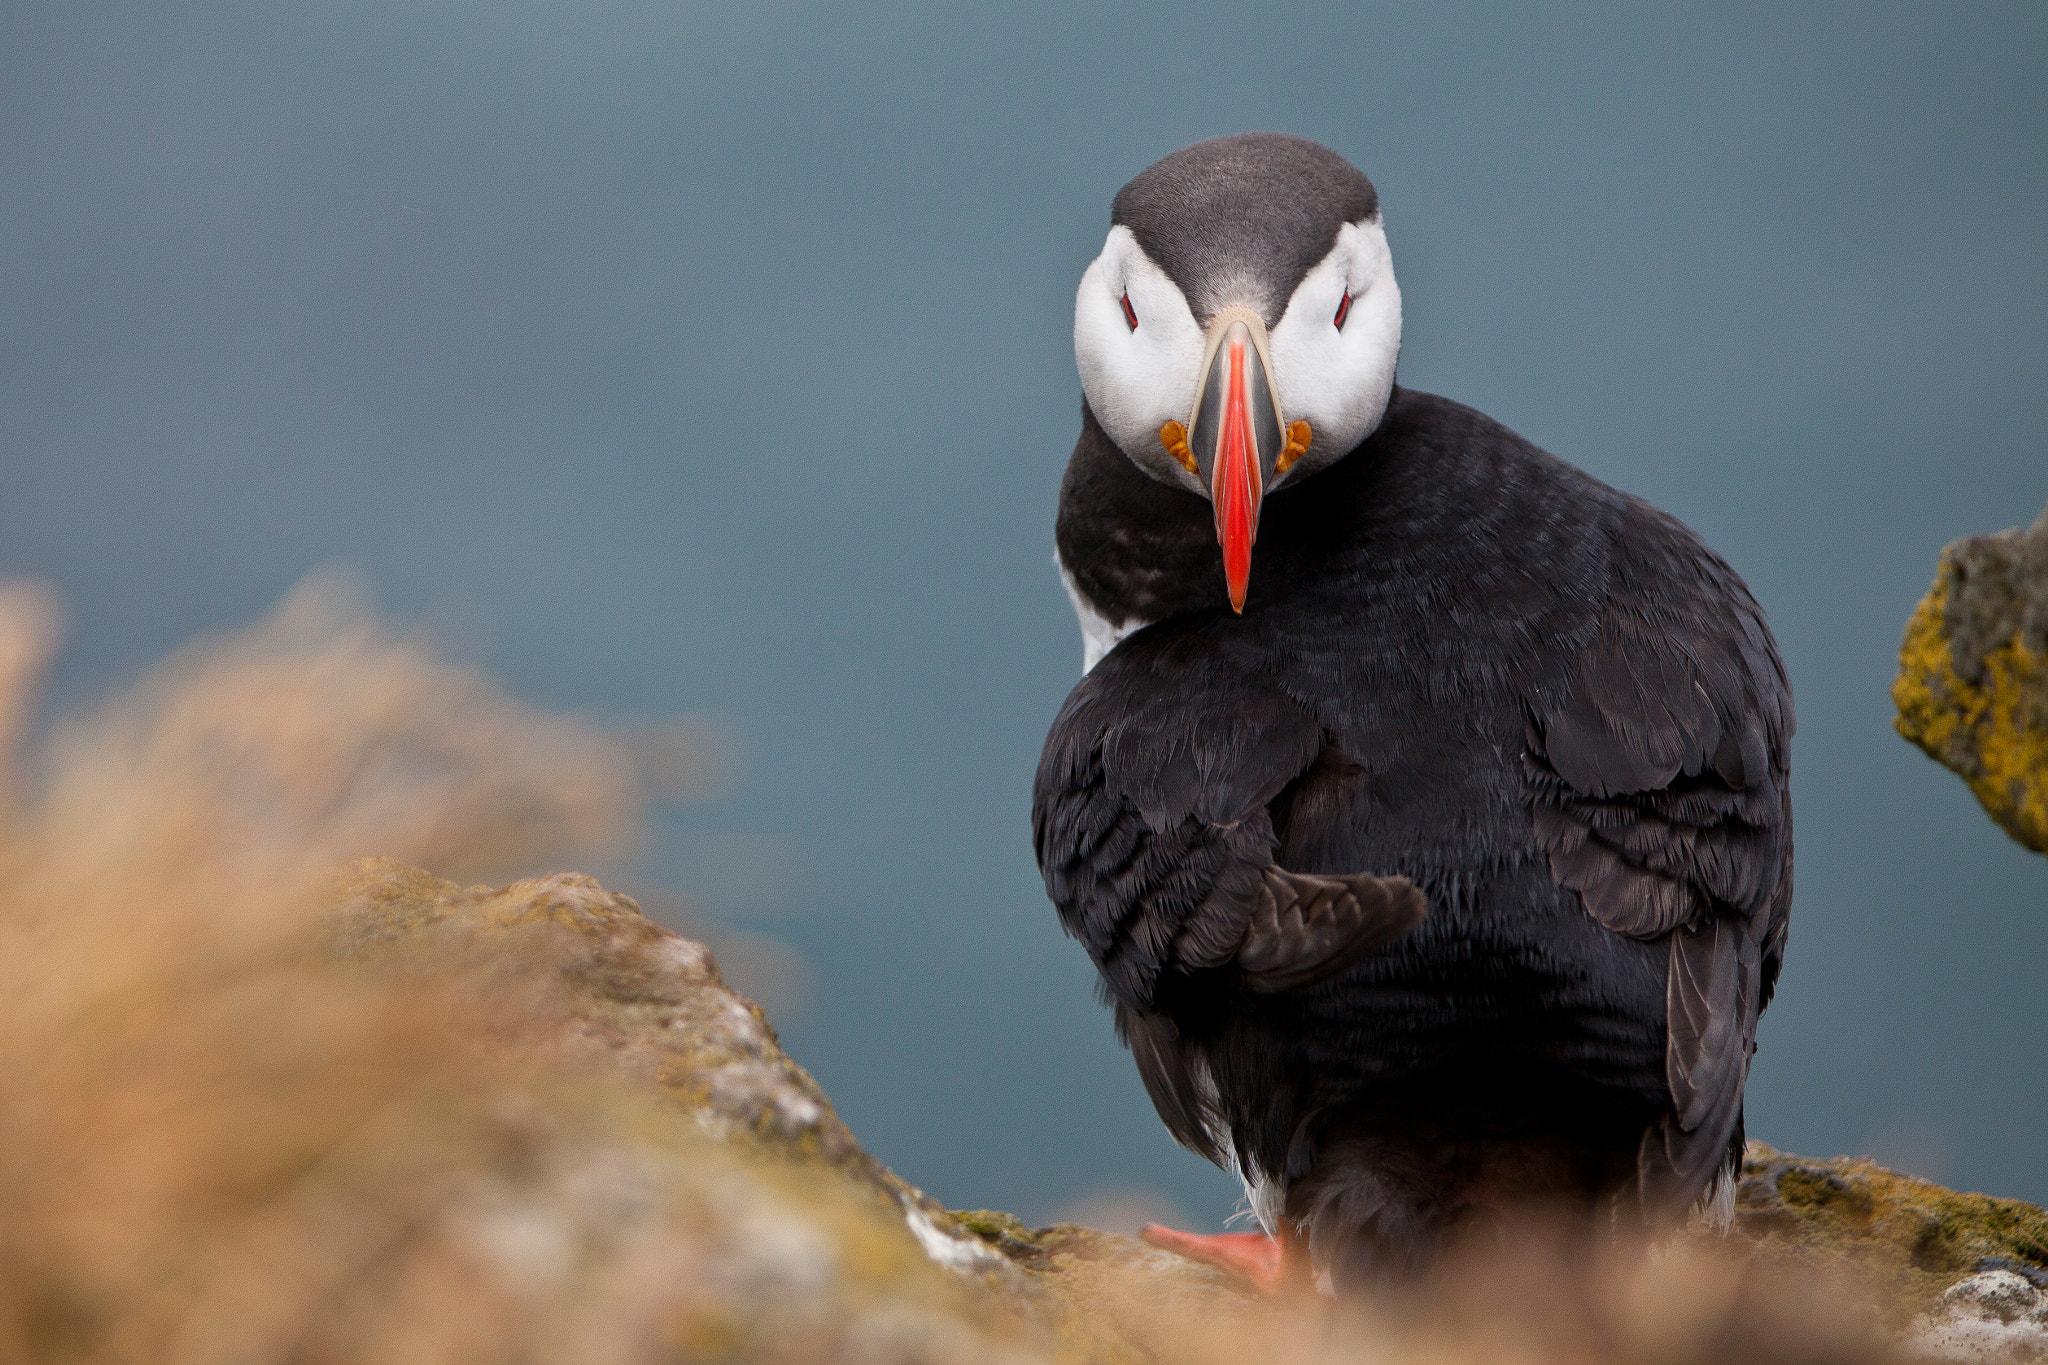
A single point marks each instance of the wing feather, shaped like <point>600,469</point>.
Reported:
<point>1657,779</point>
<point>1306,928</point>
<point>1150,813</point>
<point>1152,818</point>
<point>1173,1080</point>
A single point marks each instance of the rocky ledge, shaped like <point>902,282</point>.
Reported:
<point>796,1244</point>
<point>1973,675</point>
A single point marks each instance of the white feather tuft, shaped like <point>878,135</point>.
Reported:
<point>1099,634</point>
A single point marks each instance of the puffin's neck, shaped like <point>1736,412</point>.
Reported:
<point>1139,551</point>
<point>1136,549</point>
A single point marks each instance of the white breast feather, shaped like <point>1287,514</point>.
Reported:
<point>1099,634</point>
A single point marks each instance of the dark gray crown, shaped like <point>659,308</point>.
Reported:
<point>1241,219</point>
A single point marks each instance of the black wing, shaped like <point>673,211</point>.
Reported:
<point>1659,781</point>
<point>1304,927</point>
<point>1151,819</point>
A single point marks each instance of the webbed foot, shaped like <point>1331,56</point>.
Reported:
<point>1259,1262</point>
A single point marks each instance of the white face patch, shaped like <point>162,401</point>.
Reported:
<point>1337,379</point>
<point>1137,380</point>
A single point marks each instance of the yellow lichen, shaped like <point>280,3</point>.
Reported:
<point>1903,1236</point>
<point>1993,735</point>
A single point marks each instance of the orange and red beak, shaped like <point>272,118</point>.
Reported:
<point>1236,438</point>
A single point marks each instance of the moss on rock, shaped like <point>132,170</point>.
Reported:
<point>1115,1297</point>
<point>1911,1238</point>
<point>613,988</point>
<point>617,995</point>
<point>650,1004</point>
<point>1972,689</point>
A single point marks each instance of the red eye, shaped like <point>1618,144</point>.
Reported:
<point>1130,314</point>
<point>1343,310</point>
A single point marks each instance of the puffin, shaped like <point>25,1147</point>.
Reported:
<point>1424,802</point>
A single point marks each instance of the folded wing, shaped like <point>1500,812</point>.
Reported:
<point>1658,779</point>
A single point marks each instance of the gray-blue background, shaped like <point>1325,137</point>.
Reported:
<point>717,359</point>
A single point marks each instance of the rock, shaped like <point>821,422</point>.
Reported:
<point>1972,689</point>
<point>650,1007</point>
<point>651,1003</point>
<point>1121,1296</point>
<point>1910,1239</point>
<point>528,1123</point>
<point>2000,1295</point>
<point>604,988</point>
<point>605,985</point>
<point>501,1126</point>
<point>1993,1316</point>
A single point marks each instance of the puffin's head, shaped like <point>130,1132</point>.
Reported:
<point>1240,327</point>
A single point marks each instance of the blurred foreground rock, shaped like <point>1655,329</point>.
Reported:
<point>1973,675</point>
<point>842,1259</point>
<point>1993,1315</point>
<point>801,1246</point>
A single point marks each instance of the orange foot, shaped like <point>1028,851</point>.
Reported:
<point>1252,1257</point>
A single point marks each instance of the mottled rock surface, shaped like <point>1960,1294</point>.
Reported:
<point>598,985</point>
<point>1973,675</point>
<point>1907,1238</point>
<point>652,1004</point>
<point>821,1252</point>
<point>809,1209</point>
<point>1999,1315</point>
<point>1116,1294</point>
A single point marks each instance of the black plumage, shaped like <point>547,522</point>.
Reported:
<point>1467,664</point>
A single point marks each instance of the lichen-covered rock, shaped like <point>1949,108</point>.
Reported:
<point>500,1126</point>
<point>1996,1315</point>
<point>601,987</point>
<point>1907,1238</point>
<point>650,1004</point>
<point>1125,1299</point>
<point>1973,675</point>
<point>604,988</point>
<point>615,993</point>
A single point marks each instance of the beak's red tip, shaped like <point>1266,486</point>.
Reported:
<point>1237,569</point>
